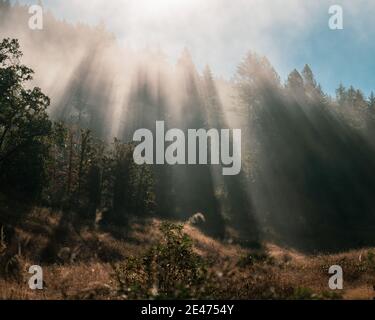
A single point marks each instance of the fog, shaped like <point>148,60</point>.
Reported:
<point>307,162</point>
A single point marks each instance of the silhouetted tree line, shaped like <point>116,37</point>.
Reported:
<point>313,176</point>
<point>61,165</point>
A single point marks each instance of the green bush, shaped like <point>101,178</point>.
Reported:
<point>169,270</point>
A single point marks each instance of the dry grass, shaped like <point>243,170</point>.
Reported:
<point>78,263</point>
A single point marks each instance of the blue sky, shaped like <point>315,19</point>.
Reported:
<point>219,32</point>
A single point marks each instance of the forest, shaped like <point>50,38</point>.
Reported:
<point>71,99</point>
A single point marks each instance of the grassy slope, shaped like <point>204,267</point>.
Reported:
<point>78,264</point>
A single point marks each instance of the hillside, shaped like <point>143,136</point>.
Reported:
<point>97,263</point>
<point>183,170</point>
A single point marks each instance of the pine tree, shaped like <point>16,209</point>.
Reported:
<point>295,81</point>
<point>309,78</point>
<point>254,78</point>
<point>341,95</point>
<point>371,101</point>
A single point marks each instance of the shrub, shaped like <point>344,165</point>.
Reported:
<point>10,263</point>
<point>254,258</point>
<point>370,258</point>
<point>302,293</point>
<point>169,270</point>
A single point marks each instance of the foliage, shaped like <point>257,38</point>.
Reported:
<point>254,258</point>
<point>128,188</point>
<point>10,262</point>
<point>303,293</point>
<point>24,124</point>
<point>169,270</point>
<point>64,165</point>
<point>89,175</point>
<point>308,182</point>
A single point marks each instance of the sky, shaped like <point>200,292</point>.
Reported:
<point>290,33</point>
